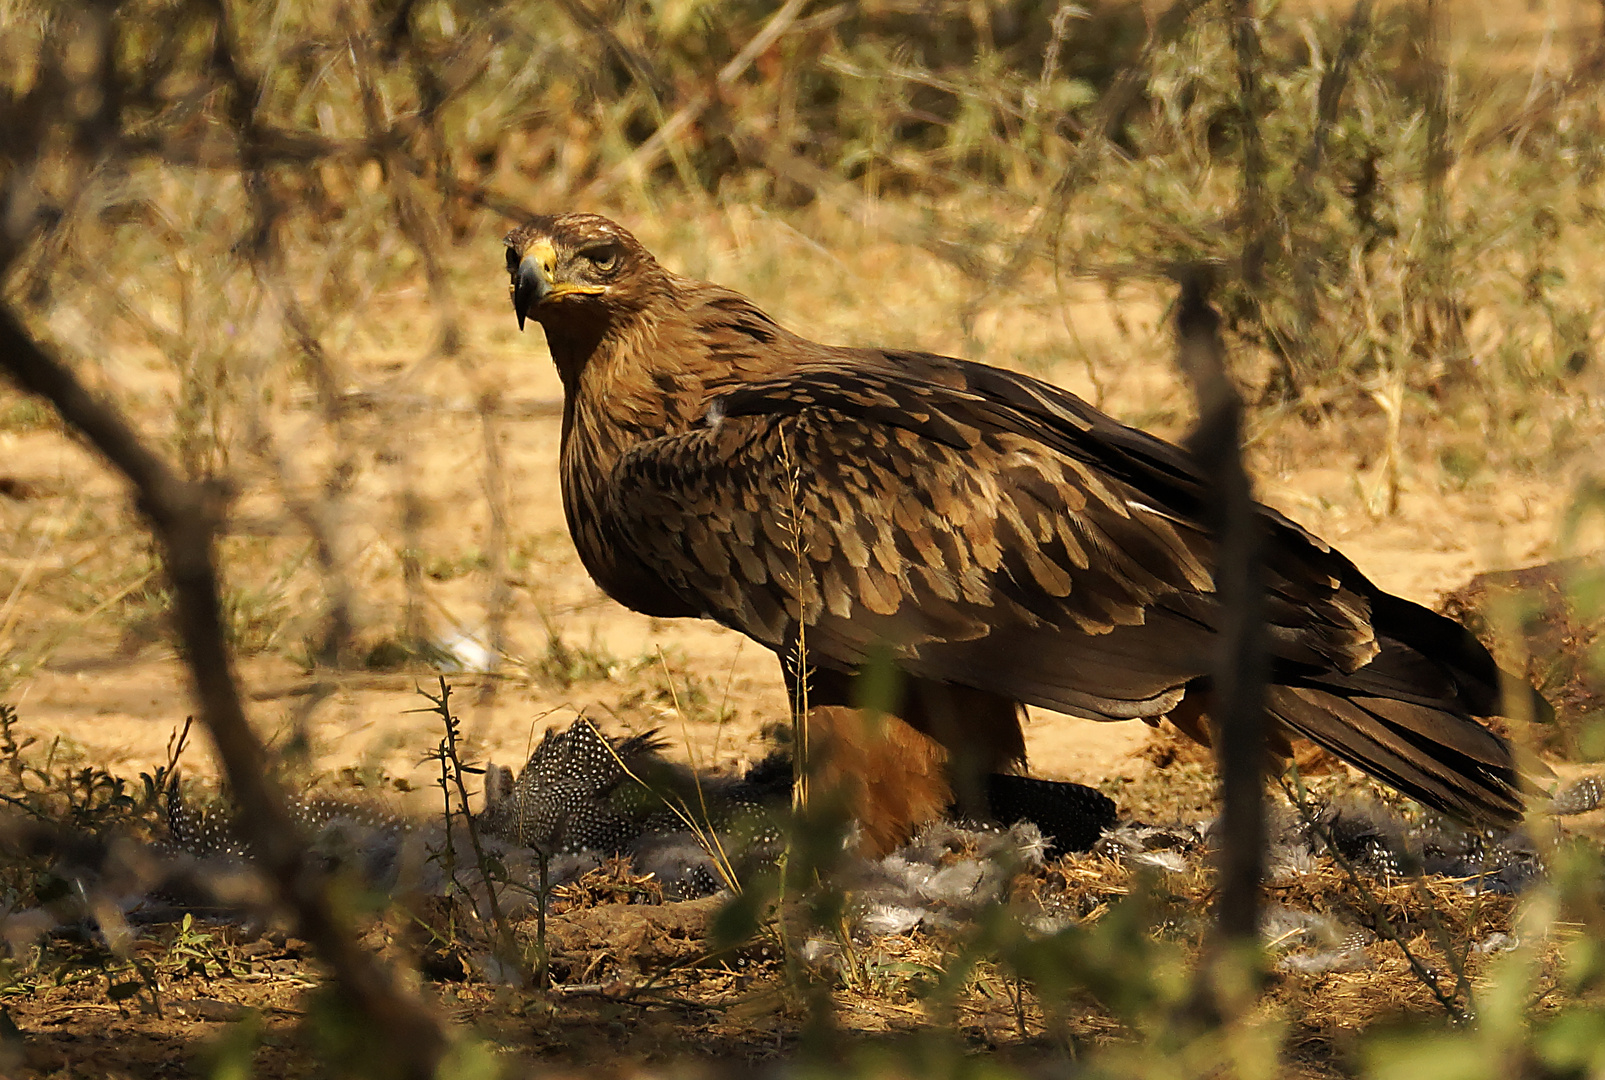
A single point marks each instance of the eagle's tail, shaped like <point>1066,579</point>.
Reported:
<point>1429,751</point>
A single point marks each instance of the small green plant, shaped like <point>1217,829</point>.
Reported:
<point>25,414</point>
<point>564,664</point>
<point>195,952</point>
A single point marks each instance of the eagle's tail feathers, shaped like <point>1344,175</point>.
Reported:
<point>1445,761</point>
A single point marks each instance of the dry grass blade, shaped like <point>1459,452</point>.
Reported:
<point>701,826</point>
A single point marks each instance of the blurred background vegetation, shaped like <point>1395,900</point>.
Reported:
<point>269,231</point>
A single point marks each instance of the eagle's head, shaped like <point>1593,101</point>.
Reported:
<point>577,269</point>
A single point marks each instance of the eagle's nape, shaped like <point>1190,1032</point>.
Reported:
<point>997,539</point>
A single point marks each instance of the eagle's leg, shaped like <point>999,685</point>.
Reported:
<point>890,778</point>
<point>981,733</point>
<point>1191,718</point>
<point>932,749</point>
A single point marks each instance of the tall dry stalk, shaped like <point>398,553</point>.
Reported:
<point>796,659</point>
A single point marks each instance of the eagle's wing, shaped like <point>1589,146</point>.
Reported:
<point>986,529</point>
<point>1301,568</point>
<point>981,540</point>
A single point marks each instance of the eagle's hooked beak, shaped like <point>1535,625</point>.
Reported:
<point>532,281</point>
<point>529,288</point>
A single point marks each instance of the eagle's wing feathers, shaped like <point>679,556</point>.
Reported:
<point>978,535</point>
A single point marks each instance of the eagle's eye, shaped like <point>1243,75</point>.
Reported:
<point>605,257</point>
<point>512,261</point>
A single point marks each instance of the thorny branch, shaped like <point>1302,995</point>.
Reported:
<point>449,754</point>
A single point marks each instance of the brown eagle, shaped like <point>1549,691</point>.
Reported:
<point>995,538</point>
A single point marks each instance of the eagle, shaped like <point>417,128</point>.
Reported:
<point>989,537</point>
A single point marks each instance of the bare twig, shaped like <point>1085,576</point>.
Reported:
<point>1380,923</point>
<point>639,66</point>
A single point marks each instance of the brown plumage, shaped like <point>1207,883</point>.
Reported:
<point>996,538</point>
<point>889,775</point>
